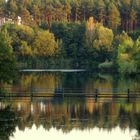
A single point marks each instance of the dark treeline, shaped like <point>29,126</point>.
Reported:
<point>89,34</point>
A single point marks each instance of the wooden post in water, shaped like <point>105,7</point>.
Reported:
<point>63,92</point>
<point>128,93</point>
<point>96,94</point>
<point>31,95</point>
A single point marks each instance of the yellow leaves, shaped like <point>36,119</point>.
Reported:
<point>113,16</point>
<point>124,56</point>
<point>128,43</point>
<point>105,36</point>
<point>99,36</point>
<point>35,41</point>
<point>25,49</point>
<point>124,40</point>
<point>90,24</point>
<point>125,47</point>
<point>26,29</point>
<point>137,46</point>
<point>45,44</point>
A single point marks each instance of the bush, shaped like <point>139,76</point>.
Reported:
<point>106,66</point>
<point>127,67</point>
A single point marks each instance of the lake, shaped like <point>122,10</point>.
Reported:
<point>68,117</point>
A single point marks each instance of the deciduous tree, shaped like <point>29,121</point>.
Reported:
<point>45,44</point>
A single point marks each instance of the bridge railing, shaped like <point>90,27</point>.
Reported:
<point>69,92</point>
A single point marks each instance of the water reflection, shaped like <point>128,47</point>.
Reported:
<point>8,122</point>
<point>81,82</point>
<point>68,114</point>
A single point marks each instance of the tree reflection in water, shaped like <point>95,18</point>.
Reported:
<point>8,122</point>
<point>68,114</point>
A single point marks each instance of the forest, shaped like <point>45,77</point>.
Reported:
<point>100,35</point>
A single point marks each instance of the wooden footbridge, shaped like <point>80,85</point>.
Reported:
<point>64,92</point>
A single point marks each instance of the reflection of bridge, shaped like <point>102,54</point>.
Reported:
<point>65,92</point>
<point>74,113</point>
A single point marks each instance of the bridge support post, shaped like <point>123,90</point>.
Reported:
<point>128,94</point>
<point>96,94</point>
<point>31,95</point>
<point>63,92</point>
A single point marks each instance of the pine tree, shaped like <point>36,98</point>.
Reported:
<point>100,10</point>
<point>36,14</point>
<point>11,8</point>
<point>67,9</point>
<point>58,9</point>
<point>113,17</point>
<point>49,14</point>
<point>25,15</point>
<point>2,6</point>
<point>133,20</point>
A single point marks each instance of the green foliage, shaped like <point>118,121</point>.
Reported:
<point>125,40</point>
<point>107,12</point>
<point>24,32</point>
<point>73,38</point>
<point>27,41</point>
<point>80,30</point>
<point>21,39</point>
<point>113,16</point>
<point>25,49</point>
<point>11,8</point>
<point>103,37</point>
<point>125,60</point>
<point>100,10</point>
<point>8,127</point>
<point>127,67</point>
<point>136,54</point>
<point>7,58</point>
<point>106,66</point>
<point>99,41</point>
<point>45,44</point>
<point>99,36</point>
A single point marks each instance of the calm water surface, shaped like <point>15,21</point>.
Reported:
<point>69,117</point>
